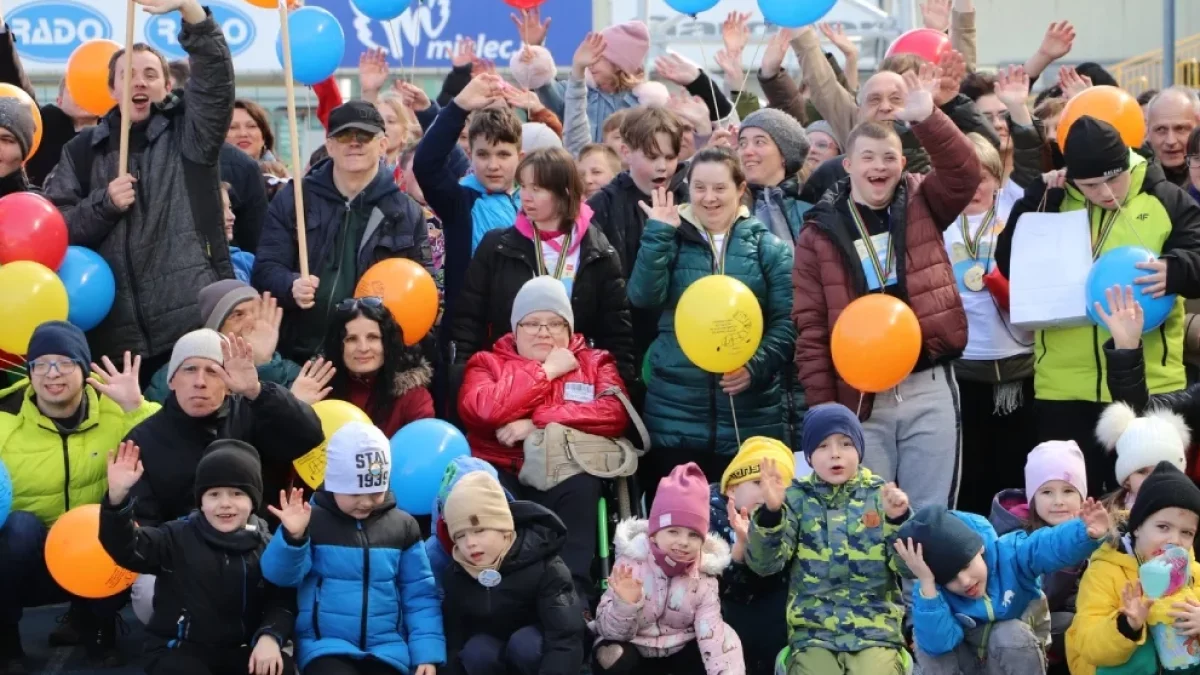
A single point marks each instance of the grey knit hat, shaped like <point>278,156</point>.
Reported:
<point>542,294</point>
<point>218,300</point>
<point>17,118</point>
<point>821,126</point>
<point>787,133</point>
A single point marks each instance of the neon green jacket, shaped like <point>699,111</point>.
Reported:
<point>53,472</point>
<point>1069,363</point>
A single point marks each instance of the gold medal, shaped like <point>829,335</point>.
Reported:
<point>973,278</point>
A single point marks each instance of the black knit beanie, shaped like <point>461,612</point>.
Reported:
<point>1164,488</point>
<point>230,464</point>
<point>948,543</point>
<point>1094,150</point>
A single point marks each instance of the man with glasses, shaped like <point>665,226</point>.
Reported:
<point>355,216</point>
<point>56,429</point>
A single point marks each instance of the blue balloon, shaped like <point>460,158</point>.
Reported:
<point>692,6</point>
<point>1116,268</point>
<point>5,494</point>
<point>421,451</point>
<point>318,45</point>
<point>794,13</point>
<point>90,286</point>
<point>381,10</point>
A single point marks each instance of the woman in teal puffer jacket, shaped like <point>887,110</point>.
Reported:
<point>687,410</point>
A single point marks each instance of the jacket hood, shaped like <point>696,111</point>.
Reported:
<point>582,223</point>
<point>324,499</point>
<point>1142,176</point>
<point>506,347</point>
<point>540,534</point>
<point>1114,553</point>
<point>633,541</point>
<point>1009,511</point>
<point>319,182</point>
<point>419,375</point>
<point>686,213</point>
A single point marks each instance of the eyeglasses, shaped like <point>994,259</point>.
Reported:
<point>354,136</point>
<point>63,367</point>
<point>553,327</point>
<point>351,305</point>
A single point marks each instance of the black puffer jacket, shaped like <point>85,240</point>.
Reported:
<point>1127,384</point>
<point>210,590</point>
<point>535,590</point>
<point>506,259</point>
<point>171,242</point>
<point>278,425</point>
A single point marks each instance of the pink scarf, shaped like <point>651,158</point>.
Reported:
<point>667,564</point>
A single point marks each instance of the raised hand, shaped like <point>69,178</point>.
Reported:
<point>677,69</point>
<point>1187,616</point>
<point>1056,179</point>
<point>836,35</point>
<point>124,471</point>
<point>587,54</point>
<point>936,14</point>
<point>1071,82</point>
<point>913,556</point>
<point>481,92</point>
<point>739,520</point>
<point>372,71</point>
<point>239,372</point>
<point>413,97</point>
<point>895,502</point>
<point>625,585</point>
<point>1125,319</point>
<point>1057,42</point>
<point>662,207</point>
<point>776,52</point>
<point>735,31</point>
<point>1156,282</point>
<point>464,53</point>
<point>1096,518</point>
<point>122,386</point>
<point>918,105</point>
<point>165,6</point>
<point>772,485</point>
<point>1012,86</point>
<point>267,658</point>
<point>312,384</point>
<point>293,512</point>
<point>731,65</point>
<point>1135,605</point>
<point>530,26</point>
<point>524,99</point>
<point>692,109</point>
<point>949,74</point>
<point>264,332</point>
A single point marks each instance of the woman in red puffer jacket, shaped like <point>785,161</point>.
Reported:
<point>544,372</point>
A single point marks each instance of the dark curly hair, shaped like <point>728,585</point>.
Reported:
<point>397,356</point>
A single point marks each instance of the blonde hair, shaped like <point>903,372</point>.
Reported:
<point>393,100</point>
<point>989,157</point>
<point>627,81</point>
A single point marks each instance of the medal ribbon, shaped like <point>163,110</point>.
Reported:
<point>562,255</point>
<point>1105,230</point>
<point>972,242</point>
<point>882,271</point>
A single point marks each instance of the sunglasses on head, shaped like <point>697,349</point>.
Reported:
<point>351,305</point>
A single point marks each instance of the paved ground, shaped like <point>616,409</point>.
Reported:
<point>45,660</point>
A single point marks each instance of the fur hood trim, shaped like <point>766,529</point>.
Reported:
<point>633,541</point>
<point>420,375</point>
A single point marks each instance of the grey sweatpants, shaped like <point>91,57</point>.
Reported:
<point>914,437</point>
<point>1012,649</point>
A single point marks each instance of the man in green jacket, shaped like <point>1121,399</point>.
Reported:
<point>56,430</point>
<point>232,307</point>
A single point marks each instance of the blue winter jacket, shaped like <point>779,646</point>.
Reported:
<point>1015,565</point>
<point>243,263</point>
<point>365,587</point>
<point>466,209</point>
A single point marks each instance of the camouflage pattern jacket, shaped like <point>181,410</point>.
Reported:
<point>844,591</point>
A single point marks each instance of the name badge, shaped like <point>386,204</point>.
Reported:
<point>579,392</point>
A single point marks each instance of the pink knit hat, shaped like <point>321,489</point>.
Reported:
<point>1055,460</point>
<point>627,45</point>
<point>681,500</point>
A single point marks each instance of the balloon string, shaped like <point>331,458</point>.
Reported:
<point>737,434</point>
<point>858,410</point>
<point>746,76</point>
<point>712,86</point>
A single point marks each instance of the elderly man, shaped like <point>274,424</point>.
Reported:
<point>1170,118</point>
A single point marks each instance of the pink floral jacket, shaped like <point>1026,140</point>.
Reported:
<point>672,612</point>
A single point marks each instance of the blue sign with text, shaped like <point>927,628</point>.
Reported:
<point>50,31</point>
<point>162,30</point>
<point>426,34</point>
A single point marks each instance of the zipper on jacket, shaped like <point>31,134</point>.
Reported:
<point>1099,363</point>
<point>317,608</point>
<point>987,631</point>
<point>245,573</point>
<point>133,287</point>
<point>341,253</point>
<point>1042,337</point>
<point>1162,334</point>
<point>366,589</point>
<point>66,474</point>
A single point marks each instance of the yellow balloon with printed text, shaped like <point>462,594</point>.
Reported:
<point>719,323</point>
<point>333,415</point>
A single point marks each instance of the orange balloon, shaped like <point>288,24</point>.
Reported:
<point>87,75</point>
<point>76,559</point>
<point>407,291</point>
<point>13,91</point>
<point>1108,103</point>
<point>876,342</point>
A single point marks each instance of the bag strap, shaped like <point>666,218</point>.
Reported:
<point>628,458</point>
<point>633,416</point>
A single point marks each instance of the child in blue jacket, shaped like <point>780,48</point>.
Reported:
<point>973,588</point>
<point>367,600</point>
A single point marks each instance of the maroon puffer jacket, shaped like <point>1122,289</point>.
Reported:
<point>827,275</point>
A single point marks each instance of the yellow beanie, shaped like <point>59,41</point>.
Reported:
<point>745,467</point>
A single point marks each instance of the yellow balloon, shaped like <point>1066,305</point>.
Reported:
<point>333,415</point>
<point>33,295</point>
<point>718,323</point>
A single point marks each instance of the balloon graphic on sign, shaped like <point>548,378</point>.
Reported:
<point>318,45</point>
<point>87,76</point>
<point>718,323</point>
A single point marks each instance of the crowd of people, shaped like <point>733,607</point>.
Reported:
<point>992,513</point>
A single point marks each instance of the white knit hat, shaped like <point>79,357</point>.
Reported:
<point>358,460</point>
<point>204,343</point>
<point>536,135</point>
<point>1141,442</point>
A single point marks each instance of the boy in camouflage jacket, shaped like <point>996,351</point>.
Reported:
<point>834,530</point>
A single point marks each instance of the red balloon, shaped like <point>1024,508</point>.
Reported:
<point>924,42</point>
<point>524,4</point>
<point>31,228</point>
